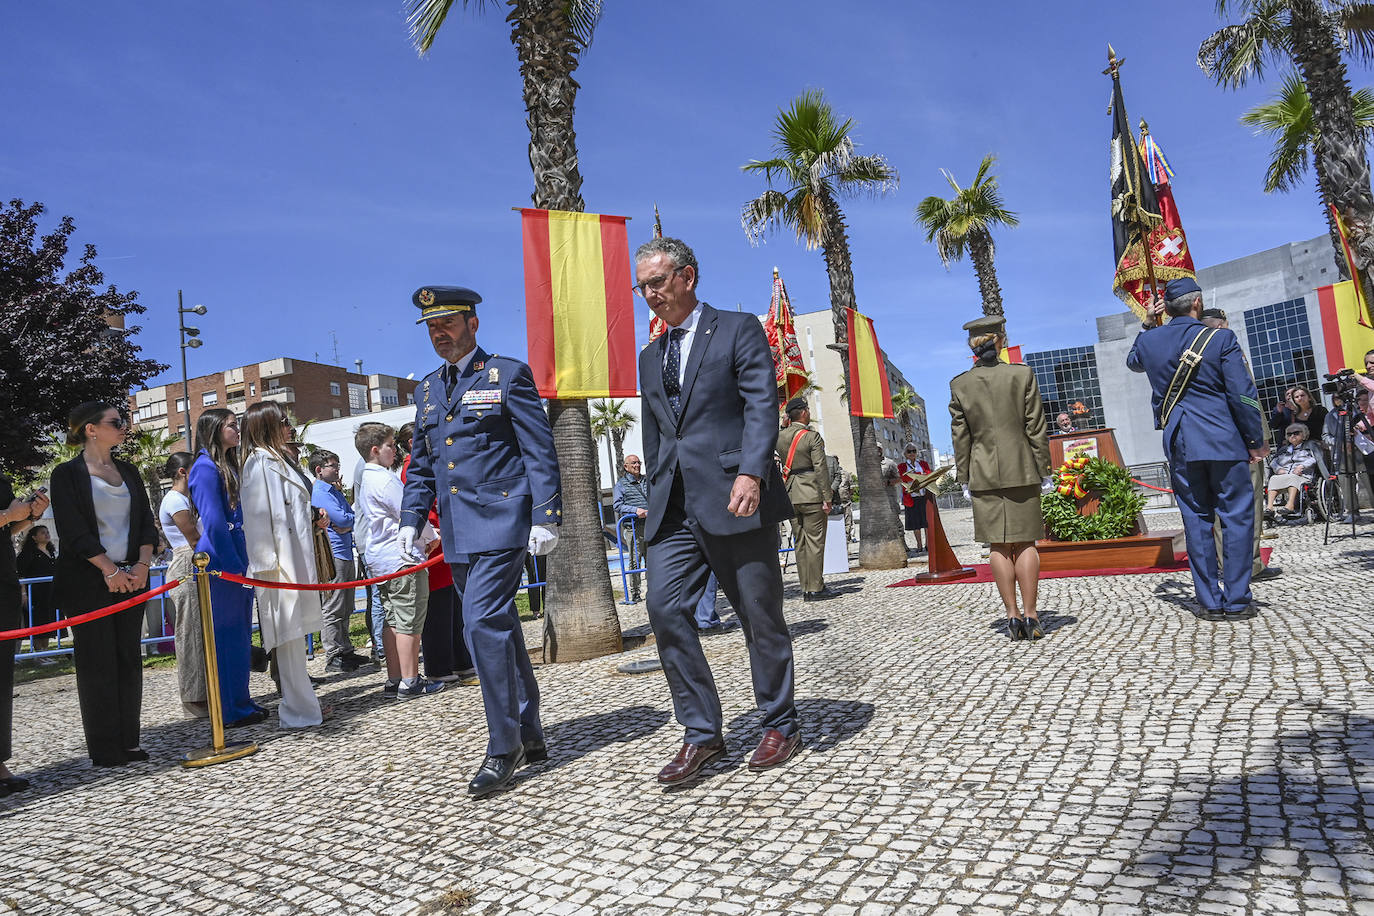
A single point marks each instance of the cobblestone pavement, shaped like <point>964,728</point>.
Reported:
<point>1136,760</point>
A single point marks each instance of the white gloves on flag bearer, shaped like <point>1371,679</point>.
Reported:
<point>543,538</point>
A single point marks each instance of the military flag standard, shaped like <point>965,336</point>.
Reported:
<point>1135,209</point>
<point>1168,245</point>
<point>870,393</point>
<point>656,324</point>
<point>579,304</point>
<point>781,328</point>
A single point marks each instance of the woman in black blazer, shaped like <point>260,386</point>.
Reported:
<point>107,532</point>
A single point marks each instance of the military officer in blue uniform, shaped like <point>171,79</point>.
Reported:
<point>483,445</point>
<point>1210,436</point>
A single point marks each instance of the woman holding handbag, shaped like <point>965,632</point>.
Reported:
<point>279,525</point>
<point>107,532</point>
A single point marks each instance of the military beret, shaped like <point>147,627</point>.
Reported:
<point>987,324</point>
<point>442,301</point>
<point>1218,314</point>
<point>796,404</point>
<point>1176,289</point>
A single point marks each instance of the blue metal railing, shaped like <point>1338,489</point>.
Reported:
<point>627,521</point>
<point>156,577</point>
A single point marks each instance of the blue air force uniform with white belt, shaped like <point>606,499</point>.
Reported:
<point>1207,438</point>
<point>484,447</point>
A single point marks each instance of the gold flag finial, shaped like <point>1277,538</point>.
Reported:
<point>1113,63</point>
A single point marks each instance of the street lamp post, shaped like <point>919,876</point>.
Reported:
<point>190,337</point>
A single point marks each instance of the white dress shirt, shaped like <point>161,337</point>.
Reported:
<point>689,325</point>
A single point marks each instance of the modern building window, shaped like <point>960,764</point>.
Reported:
<point>1281,353</point>
<point>410,398</point>
<point>181,405</point>
<point>252,389</point>
<point>337,413</point>
<point>357,398</point>
<point>1069,384</point>
<point>209,399</point>
<point>334,388</point>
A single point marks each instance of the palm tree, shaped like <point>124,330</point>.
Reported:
<point>549,36</point>
<point>1288,119</point>
<point>815,160</point>
<point>964,223</point>
<point>905,403</point>
<point>612,420</point>
<point>1313,35</point>
<point>147,450</point>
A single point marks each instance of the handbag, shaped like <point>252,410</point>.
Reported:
<point>325,570</point>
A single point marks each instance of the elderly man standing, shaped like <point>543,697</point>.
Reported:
<point>484,445</point>
<point>715,501</point>
<point>1206,403</point>
<point>802,453</point>
<point>630,496</point>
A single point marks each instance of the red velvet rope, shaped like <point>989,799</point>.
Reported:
<point>1149,487</point>
<point>328,587</point>
<point>90,615</point>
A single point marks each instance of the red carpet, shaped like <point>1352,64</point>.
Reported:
<point>985,572</point>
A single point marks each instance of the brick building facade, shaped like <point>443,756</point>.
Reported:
<point>310,391</point>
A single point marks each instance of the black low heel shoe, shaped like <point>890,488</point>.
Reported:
<point>1031,627</point>
<point>1016,627</point>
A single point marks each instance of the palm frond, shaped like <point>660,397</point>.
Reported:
<point>1235,54</point>
<point>761,213</point>
<point>583,15</point>
<point>872,175</point>
<point>1355,23</point>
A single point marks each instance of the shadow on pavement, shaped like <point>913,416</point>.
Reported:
<point>1303,821</point>
<point>824,723</point>
<point>807,627</point>
<point>574,738</point>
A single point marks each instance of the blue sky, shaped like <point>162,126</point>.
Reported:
<point>300,171</point>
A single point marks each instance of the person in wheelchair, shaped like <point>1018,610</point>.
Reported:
<point>1295,466</point>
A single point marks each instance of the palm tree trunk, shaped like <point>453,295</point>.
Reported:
<point>980,249</point>
<point>581,605</point>
<point>881,542</point>
<point>1339,150</point>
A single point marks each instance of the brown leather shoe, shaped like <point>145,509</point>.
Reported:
<point>774,749</point>
<point>689,761</point>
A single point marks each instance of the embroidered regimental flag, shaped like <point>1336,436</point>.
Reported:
<point>579,306</point>
<point>656,324</point>
<point>870,393</point>
<point>782,340</point>
<point>1344,325</point>
<point>1168,245</point>
<point>1135,209</point>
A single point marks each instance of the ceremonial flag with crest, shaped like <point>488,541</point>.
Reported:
<point>1168,245</point>
<point>1135,209</point>
<point>781,329</point>
<point>579,308</point>
<point>870,392</point>
<point>656,324</point>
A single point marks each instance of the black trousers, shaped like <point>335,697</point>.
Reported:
<point>446,652</point>
<point>109,681</point>
<point>680,558</point>
<point>10,611</point>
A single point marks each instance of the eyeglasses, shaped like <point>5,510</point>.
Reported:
<point>117,423</point>
<point>654,284</point>
<point>1291,435</point>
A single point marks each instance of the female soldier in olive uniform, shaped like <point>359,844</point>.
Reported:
<point>1002,457</point>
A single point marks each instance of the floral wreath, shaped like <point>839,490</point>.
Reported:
<point>1079,478</point>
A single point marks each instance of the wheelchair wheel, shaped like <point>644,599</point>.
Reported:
<point>1328,502</point>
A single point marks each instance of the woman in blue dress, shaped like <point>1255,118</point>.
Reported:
<point>214,481</point>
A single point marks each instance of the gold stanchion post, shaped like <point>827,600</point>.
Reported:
<point>217,751</point>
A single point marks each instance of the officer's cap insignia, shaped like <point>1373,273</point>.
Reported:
<point>426,297</point>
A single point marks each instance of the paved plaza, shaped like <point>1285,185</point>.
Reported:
<point>1136,760</point>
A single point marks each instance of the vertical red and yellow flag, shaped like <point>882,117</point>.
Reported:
<point>870,393</point>
<point>1348,336</point>
<point>579,306</point>
<point>1361,310</point>
<point>781,329</point>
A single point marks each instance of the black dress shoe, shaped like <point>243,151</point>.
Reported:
<point>253,718</point>
<point>821,595</point>
<point>496,773</point>
<point>1016,627</point>
<point>13,784</point>
<point>1030,628</point>
<point>109,761</point>
<point>137,755</point>
<point>1269,572</point>
<point>536,752</point>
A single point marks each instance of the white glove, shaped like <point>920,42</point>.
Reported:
<point>967,494</point>
<point>1046,484</point>
<point>543,538</point>
<point>408,535</point>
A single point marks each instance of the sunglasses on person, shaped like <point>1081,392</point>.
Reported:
<point>117,423</point>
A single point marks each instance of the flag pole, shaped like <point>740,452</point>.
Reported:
<point>1113,70</point>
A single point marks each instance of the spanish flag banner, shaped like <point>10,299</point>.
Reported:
<point>1357,289</point>
<point>1347,335</point>
<point>870,393</point>
<point>579,305</point>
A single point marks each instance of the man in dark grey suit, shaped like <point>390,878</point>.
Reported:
<point>715,500</point>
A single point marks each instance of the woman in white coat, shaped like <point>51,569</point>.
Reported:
<point>277,525</point>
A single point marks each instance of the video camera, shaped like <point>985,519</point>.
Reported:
<point>1340,383</point>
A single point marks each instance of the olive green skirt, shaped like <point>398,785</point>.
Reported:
<point>1008,516</point>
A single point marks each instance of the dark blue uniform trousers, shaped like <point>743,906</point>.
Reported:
<point>486,587</point>
<point>1207,491</point>
<point>680,558</point>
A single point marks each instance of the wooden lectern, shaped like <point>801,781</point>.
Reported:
<point>944,566</point>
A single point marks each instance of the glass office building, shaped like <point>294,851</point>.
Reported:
<point>1281,353</point>
<point>1069,384</point>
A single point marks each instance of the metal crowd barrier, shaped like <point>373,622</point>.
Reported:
<point>626,521</point>
<point>63,644</point>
